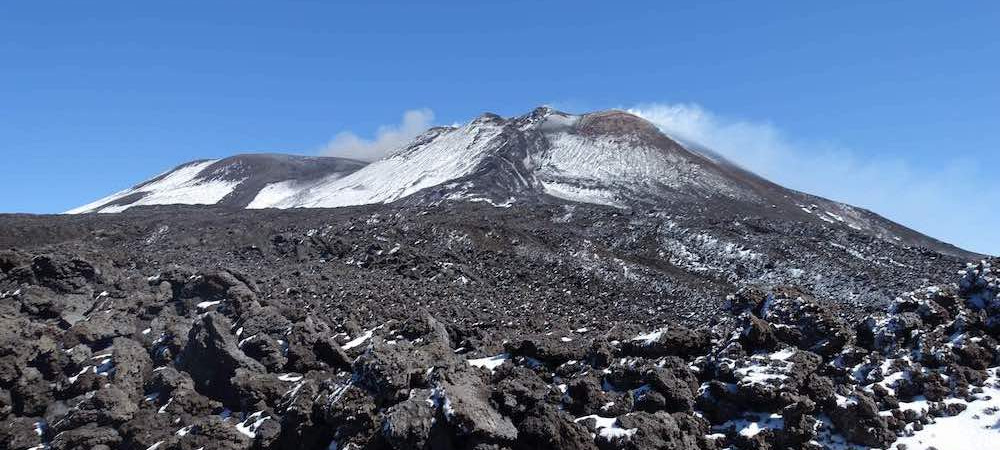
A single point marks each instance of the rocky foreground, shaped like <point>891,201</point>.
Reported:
<point>94,357</point>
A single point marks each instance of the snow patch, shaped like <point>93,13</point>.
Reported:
<point>360,339</point>
<point>649,338</point>
<point>979,423</point>
<point>206,305</point>
<point>249,426</point>
<point>608,428</point>
<point>490,363</point>
<point>752,424</point>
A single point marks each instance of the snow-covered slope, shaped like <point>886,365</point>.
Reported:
<point>233,181</point>
<point>179,186</point>
<point>611,157</point>
<point>608,157</point>
<point>438,156</point>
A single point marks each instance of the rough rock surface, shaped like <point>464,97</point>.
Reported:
<point>406,331</point>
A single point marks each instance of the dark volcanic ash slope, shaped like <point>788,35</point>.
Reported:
<point>682,263</point>
<point>462,325</point>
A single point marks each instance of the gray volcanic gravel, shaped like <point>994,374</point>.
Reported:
<point>463,325</point>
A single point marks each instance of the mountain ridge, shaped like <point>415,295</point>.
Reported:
<point>609,157</point>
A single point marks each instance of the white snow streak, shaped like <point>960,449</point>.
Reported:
<point>177,187</point>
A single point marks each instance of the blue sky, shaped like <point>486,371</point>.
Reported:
<point>891,106</point>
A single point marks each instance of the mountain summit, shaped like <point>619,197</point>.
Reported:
<point>610,158</point>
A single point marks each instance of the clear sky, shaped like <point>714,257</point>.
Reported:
<point>894,106</point>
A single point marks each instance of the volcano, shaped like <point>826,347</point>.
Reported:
<point>546,281</point>
<point>609,158</point>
